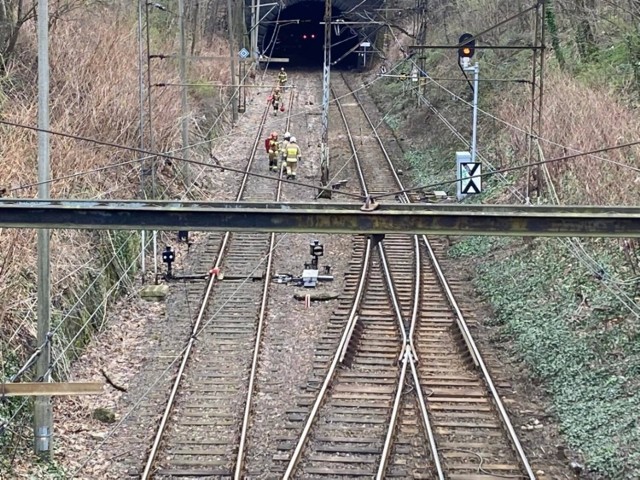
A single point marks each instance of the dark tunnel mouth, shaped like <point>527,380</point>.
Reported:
<point>299,36</point>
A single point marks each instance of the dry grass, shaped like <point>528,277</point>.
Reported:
<point>94,94</point>
<point>582,118</point>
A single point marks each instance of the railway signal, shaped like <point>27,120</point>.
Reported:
<point>168,257</point>
<point>466,48</point>
<point>316,250</point>
<point>310,273</point>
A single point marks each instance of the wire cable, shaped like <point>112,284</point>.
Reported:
<point>162,155</point>
<point>166,155</point>
<point>522,130</point>
<point>588,262</point>
<point>509,169</point>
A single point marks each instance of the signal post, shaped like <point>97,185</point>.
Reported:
<point>466,166</point>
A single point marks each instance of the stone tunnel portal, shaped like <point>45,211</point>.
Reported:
<point>298,34</point>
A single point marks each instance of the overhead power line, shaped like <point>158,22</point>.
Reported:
<point>166,156</point>
<point>511,169</point>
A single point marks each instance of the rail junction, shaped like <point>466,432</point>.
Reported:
<point>399,388</point>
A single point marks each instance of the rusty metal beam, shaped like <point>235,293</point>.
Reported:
<point>431,219</point>
<point>28,389</point>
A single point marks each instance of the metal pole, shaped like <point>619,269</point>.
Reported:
<point>143,166</point>
<point>151,143</point>
<point>541,29</point>
<point>185,105</point>
<point>232,61</point>
<point>43,415</point>
<point>149,125</point>
<point>326,74</point>
<point>476,73</point>
<point>535,123</point>
<point>255,14</point>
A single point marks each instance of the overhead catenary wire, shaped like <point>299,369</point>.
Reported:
<point>453,129</point>
<point>169,157</point>
<point>97,277</point>
<point>508,169</point>
<point>456,96</point>
<point>34,356</point>
<point>574,246</point>
<point>589,262</point>
<point>522,130</point>
<point>352,195</point>
<point>162,374</point>
<point>176,358</point>
<point>5,424</point>
<point>179,354</point>
<point>577,249</point>
<point>29,363</point>
<point>150,154</point>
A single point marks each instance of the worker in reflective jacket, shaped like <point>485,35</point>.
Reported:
<point>283,148</point>
<point>282,78</point>
<point>293,155</point>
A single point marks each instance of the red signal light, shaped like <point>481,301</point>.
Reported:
<point>304,36</point>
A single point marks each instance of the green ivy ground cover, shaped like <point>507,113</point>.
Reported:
<point>576,337</point>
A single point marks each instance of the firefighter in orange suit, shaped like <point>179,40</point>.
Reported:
<point>276,98</point>
<point>273,149</point>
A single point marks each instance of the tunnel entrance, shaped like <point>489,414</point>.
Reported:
<point>298,34</point>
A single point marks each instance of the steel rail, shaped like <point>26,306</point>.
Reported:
<point>409,355</point>
<point>433,446</point>
<point>194,331</point>
<point>452,300</point>
<point>388,442</point>
<point>462,324</point>
<point>475,353</point>
<point>363,182</point>
<point>416,299</point>
<point>261,316</point>
<point>425,420</point>
<point>394,297</point>
<point>404,354</point>
<point>485,372</point>
<point>295,457</point>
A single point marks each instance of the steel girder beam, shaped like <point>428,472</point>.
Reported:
<point>447,219</point>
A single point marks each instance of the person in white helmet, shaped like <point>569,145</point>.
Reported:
<point>282,79</point>
<point>283,149</point>
<point>293,156</point>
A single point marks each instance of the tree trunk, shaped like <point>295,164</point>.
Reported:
<point>585,38</point>
<point>552,27</point>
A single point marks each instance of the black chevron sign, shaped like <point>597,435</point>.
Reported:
<point>473,182</point>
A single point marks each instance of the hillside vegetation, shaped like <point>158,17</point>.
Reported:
<point>94,95</point>
<point>568,309</point>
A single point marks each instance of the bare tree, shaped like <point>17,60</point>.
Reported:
<point>585,37</point>
<point>13,15</point>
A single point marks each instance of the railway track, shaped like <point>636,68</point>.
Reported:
<point>398,388</point>
<point>402,390</point>
<point>203,430</point>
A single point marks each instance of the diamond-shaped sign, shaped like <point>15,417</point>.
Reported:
<point>244,53</point>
